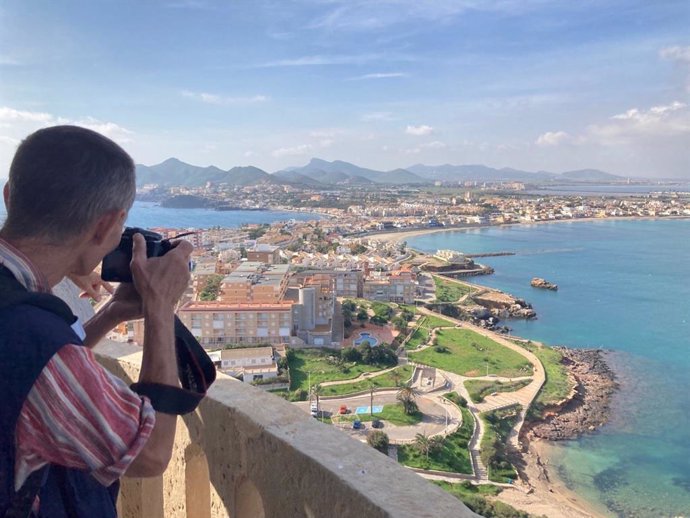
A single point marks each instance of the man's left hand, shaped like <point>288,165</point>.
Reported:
<point>126,303</point>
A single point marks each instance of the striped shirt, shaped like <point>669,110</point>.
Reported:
<point>77,414</point>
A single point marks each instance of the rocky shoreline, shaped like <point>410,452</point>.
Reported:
<point>588,405</point>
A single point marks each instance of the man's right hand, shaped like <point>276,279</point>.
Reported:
<point>160,281</point>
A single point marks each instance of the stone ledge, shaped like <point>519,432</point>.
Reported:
<point>245,452</point>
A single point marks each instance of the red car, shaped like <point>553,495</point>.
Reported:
<point>343,409</point>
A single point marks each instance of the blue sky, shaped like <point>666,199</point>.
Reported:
<point>529,84</point>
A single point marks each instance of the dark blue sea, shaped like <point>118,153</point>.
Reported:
<point>623,286</point>
<point>147,215</point>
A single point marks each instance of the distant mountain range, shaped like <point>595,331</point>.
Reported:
<point>321,173</point>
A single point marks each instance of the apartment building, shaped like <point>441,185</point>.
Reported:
<point>255,282</point>
<point>397,286</point>
<point>251,363</point>
<point>264,253</point>
<point>216,324</point>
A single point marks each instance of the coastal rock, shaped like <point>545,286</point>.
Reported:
<point>587,408</point>
<point>538,282</point>
<point>502,305</point>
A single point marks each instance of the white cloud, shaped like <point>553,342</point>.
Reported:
<point>302,149</point>
<point>380,75</point>
<point>327,142</point>
<point>208,98</point>
<point>552,138</point>
<point>419,131</point>
<point>249,154</point>
<point>657,121</point>
<point>677,53</point>
<point>436,144</point>
<point>25,122</point>
<point>10,114</point>
<point>9,140</point>
<point>413,151</point>
<point>8,61</point>
<point>377,116</point>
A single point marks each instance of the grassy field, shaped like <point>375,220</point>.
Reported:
<point>419,337</point>
<point>468,353</point>
<point>395,414</point>
<point>386,380</point>
<point>473,497</point>
<point>498,425</point>
<point>453,456</point>
<point>558,385</point>
<point>449,291</point>
<point>430,322</point>
<point>314,361</point>
<point>423,332</point>
<point>479,389</point>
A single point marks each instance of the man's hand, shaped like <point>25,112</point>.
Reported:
<point>126,303</point>
<point>160,281</point>
<point>91,285</point>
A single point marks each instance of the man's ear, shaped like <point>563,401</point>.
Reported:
<point>6,193</point>
<point>108,225</point>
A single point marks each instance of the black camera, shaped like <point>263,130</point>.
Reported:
<point>116,264</point>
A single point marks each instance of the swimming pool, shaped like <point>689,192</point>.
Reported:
<point>366,337</point>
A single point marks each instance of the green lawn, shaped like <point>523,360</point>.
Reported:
<point>479,389</point>
<point>419,337</point>
<point>395,414</point>
<point>386,380</point>
<point>473,497</point>
<point>558,385</point>
<point>468,354</point>
<point>431,322</point>
<point>453,455</point>
<point>314,361</point>
<point>449,291</point>
<point>498,426</point>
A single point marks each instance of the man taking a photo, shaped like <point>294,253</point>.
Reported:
<point>68,196</point>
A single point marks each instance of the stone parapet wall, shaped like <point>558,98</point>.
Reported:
<point>246,453</point>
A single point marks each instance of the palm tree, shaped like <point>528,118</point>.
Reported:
<point>423,444</point>
<point>317,390</point>
<point>406,395</point>
<point>371,395</point>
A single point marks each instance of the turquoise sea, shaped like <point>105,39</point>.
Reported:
<point>623,286</point>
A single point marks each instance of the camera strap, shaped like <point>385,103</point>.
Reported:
<point>195,369</point>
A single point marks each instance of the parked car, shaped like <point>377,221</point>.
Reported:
<point>314,410</point>
<point>343,409</point>
<point>357,425</point>
<point>376,423</point>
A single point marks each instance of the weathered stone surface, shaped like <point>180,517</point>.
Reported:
<point>248,454</point>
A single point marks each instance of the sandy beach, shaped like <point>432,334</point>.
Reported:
<point>402,235</point>
<point>547,494</point>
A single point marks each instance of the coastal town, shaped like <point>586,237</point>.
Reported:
<point>397,347</point>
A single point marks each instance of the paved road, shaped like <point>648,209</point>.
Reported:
<point>433,421</point>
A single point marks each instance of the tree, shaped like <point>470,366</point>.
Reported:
<point>362,315</point>
<point>423,444</point>
<point>211,288</point>
<point>378,440</point>
<point>406,395</point>
<point>400,324</point>
<point>371,395</point>
<point>317,391</point>
<point>351,354</point>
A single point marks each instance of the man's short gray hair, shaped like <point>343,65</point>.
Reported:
<point>62,179</point>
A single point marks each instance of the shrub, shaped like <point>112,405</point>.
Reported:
<point>378,440</point>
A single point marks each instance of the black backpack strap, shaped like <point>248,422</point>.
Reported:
<point>195,369</point>
<point>23,500</point>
